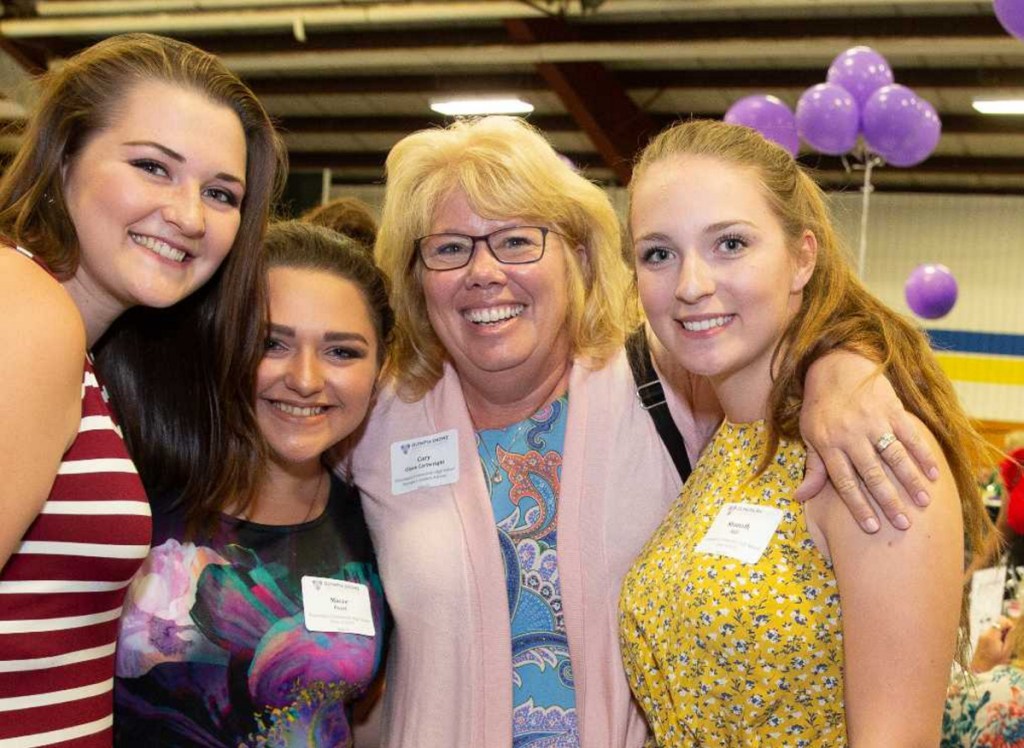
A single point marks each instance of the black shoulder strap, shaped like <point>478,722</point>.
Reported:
<point>652,399</point>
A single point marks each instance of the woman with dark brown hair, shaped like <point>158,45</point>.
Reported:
<point>144,165</point>
<point>259,617</point>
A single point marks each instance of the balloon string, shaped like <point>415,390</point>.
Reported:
<point>865,202</point>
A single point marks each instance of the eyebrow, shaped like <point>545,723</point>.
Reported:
<point>330,337</point>
<point>172,154</point>
<point>655,236</point>
<point>722,225</point>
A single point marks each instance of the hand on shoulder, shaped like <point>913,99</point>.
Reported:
<point>828,514</point>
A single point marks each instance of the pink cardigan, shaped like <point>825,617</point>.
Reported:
<point>449,678</point>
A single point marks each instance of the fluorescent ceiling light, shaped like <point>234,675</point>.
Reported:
<point>999,106</point>
<point>466,107</point>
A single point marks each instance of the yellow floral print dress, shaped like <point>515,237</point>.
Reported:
<point>724,653</point>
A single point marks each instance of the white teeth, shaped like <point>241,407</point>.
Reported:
<point>293,410</point>
<point>493,314</point>
<point>707,324</point>
<point>161,248</point>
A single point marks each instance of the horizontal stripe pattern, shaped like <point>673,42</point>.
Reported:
<point>97,423</point>
<point>56,697</point>
<point>70,658</point>
<point>61,592</point>
<point>103,465</point>
<point>87,550</point>
<point>58,586</point>
<point>103,725</point>
<point>966,367</point>
<point>972,341</point>
<point>36,625</point>
<point>97,508</point>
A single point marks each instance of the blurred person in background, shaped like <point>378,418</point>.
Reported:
<point>346,215</point>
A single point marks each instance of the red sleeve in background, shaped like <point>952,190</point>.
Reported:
<point>1011,474</point>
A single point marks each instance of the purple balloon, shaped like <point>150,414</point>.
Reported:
<point>861,71</point>
<point>827,118</point>
<point>900,126</point>
<point>770,117</point>
<point>1011,14</point>
<point>931,290</point>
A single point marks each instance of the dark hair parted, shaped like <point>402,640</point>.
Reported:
<point>173,373</point>
<point>304,246</point>
<point>300,246</point>
<point>346,215</point>
<point>837,310</point>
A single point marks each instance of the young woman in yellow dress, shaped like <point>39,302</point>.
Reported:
<point>750,619</point>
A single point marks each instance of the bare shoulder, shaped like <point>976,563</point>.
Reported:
<point>43,339</point>
<point>36,309</point>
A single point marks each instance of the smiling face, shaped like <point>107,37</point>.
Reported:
<point>155,198</point>
<point>495,319</point>
<point>315,382</point>
<point>716,275</point>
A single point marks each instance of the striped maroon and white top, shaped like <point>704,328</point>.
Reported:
<point>61,591</point>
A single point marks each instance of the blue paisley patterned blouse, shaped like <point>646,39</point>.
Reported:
<point>522,465</point>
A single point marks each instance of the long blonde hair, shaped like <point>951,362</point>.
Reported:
<point>506,169</point>
<point>837,310</point>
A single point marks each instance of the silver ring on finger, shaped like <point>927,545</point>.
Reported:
<point>884,441</point>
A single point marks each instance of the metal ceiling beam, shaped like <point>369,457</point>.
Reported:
<point>744,78</point>
<point>612,9</point>
<point>597,102</point>
<point>697,53</point>
<point>266,19</point>
<point>952,124</point>
<point>823,165</point>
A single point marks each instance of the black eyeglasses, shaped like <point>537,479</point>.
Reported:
<point>515,245</point>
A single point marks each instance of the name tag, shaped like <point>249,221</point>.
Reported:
<point>337,607</point>
<point>425,462</point>
<point>741,531</point>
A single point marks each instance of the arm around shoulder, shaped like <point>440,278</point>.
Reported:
<point>901,595</point>
<point>42,348</point>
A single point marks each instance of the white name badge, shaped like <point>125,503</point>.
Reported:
<point>425,462</point>
<point>741,531</point>
<point>337,607</point>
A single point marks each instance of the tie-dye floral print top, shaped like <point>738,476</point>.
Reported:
<point>214,648</point>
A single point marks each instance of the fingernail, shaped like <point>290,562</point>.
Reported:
<point>933,473</point>
<point>870,525</point>
<point>922,498</point>
<point>900,522</point>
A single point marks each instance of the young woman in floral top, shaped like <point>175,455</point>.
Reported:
<point>259,617</point>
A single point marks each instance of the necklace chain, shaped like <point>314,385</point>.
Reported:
<point>493,475</point>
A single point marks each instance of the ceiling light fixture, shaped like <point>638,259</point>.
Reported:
<point>999,106</point>
<point>469,107</point>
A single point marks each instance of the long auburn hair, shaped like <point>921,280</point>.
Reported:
<point>837,310</point>
<point>175,375</point>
